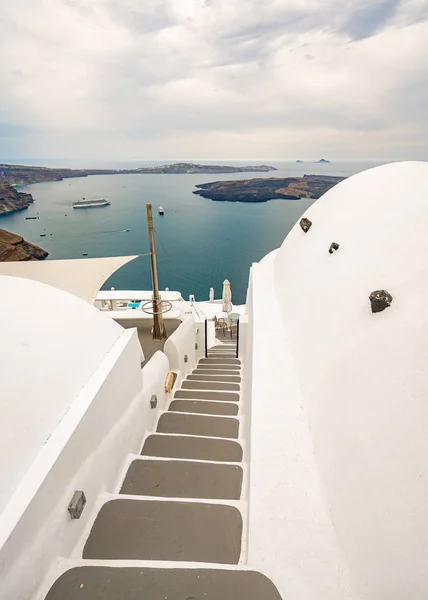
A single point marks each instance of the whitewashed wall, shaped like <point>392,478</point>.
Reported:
<point>364,376</point>
<point>51,344</point>
<point>291,536</point>
<point>85,452</point>
<point>182,343</point>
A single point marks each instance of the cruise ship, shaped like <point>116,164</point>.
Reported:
<point>274,450</point>
<point>91,203</point>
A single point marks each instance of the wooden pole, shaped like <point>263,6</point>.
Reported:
<point>159,332</point>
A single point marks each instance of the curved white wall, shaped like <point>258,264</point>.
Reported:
<point>182,343</point>
<point>364,376</point>
<point>51,344</point>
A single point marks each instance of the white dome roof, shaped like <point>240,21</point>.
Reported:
<point>51,344</point>
<point>364,376</point>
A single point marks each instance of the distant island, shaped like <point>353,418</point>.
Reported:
<point>14,248</point>
<point>190,168</point>
<point>24,175</point>
<point>321,160</point>
<point>262,190</point>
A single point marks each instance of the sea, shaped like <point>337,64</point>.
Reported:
<point>199,242</point>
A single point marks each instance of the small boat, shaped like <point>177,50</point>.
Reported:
<point>43,235</point>
<point>91,203</point>
<point>28,218</point>
<point>161,210</point>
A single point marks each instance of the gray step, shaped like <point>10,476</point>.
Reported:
<point>221,356</point>
<point>204,407</point>
<point>224,349</point>
<point>136,583</point>
<point>183,479</point>
<point>210,385</point>
<point>226,345</point>
<point>222,367</point>
<point>218,361</point>
<point>219,396</point>
<point>166,530</point>
<point>175,422</point>
<point>216,372</point>
<point>175,446</point>
<point>225,378</point>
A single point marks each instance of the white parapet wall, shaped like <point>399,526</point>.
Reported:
<point>181,349</point>
<point>86,451</point>
<point>291,536</point>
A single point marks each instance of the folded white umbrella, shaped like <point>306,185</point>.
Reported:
<point>227,297</point>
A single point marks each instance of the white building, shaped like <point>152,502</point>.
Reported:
<point>299,470</point>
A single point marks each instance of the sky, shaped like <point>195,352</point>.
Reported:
<point>213,79</point>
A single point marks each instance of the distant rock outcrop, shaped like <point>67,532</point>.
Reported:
<point>321,160</point>
<point>261,190</point>
<point>14,248</point>
<point>11,199</point>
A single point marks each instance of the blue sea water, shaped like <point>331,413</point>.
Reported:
<point>199,242</point>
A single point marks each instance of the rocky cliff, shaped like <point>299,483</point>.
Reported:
<point>261,190</point>
<point>13,247</point>
<point>11,199</point>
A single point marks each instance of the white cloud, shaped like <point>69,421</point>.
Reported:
<point>214,78</point>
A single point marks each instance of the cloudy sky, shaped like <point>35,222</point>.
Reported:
<point>248,79</point>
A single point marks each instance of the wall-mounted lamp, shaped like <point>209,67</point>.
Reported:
<point>77,504</point>
<point>305,224</point>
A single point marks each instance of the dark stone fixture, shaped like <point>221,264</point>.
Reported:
<point>334,246</point>
<point>379,300</point>
<point>305,224</point>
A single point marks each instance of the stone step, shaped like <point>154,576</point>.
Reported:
<point>222,355</point>
<point>137,583</point>
<point>215,367</point>
<point>219,361</point>
<point>165,530</point>
<point>175,422</point>
<point>197,448</point>
<point>219,396</point>
<point>204,407</point>
<point>214,378</point>
<point>225,344</point>
<point>209,377</point>
<point>222,349</point>
<point>216,372</point>
<point>183,479</point>
<point>228,349</point>
<point>210,385</point>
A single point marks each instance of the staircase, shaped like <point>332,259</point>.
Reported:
<point>180,503</point>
